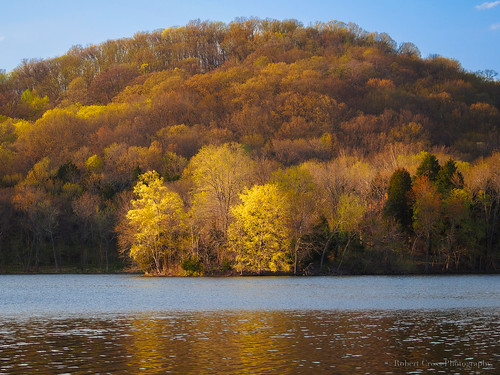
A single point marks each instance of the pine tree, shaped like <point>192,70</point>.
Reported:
<point>398,201</point>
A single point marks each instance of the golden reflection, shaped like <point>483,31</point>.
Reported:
<point>257,345</point>
<point>260,342</point>
<point>288,343</point>
<point>149,347</point>
<point>244,342</point>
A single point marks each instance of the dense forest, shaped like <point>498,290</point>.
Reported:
<point>254,147</point>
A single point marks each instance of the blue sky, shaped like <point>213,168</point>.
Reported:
<point>466,30</point>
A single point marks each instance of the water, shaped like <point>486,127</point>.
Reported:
<point>86,324</point>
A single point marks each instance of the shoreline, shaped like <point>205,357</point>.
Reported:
<point>237,275</point>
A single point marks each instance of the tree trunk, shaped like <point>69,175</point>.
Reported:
<point>30,254</point>
<point>427,252</point>
<point>37,255</point>
<point>296,251</point>
<point>327,245</point>
<point>491,235</point>
<point>54,252</point>
<point>106,250</point>
<point>343,253</point>
<point>82,256</point>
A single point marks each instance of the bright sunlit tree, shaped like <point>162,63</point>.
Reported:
<point>154,225</point>
<point>260,234</point>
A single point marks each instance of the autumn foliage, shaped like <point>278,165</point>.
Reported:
<point>208,123</point>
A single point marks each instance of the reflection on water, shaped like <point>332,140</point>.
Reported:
<point>255,342</point>
<point>118,324</point>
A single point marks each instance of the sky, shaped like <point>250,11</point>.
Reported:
<point>465,30</point>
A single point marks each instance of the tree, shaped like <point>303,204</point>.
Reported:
<point>33,105</point>
<point>154,226</point>
<point>41,219</point>
<point>259,234</point>
<point>429,167</point>
<point>449,177</point>
<point>341,176</point>
<point>426,212</point>
<point>398,200</point>
<point>331,96</point>
<point>460,232</point>
<point>350,212</point>
<point>76,92</point>
<point>487,74</point>
<point>483,181</point>
<point>55,134</point>
<point>110,82</point>
<point>297,184</point>
<point>7,210</point>
<point>409,49</point>
<point>85,208</point>
<point>219,174</point>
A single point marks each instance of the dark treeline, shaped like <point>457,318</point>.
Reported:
<point>330,121</point>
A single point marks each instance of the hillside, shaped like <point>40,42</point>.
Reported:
<point>78,130</point>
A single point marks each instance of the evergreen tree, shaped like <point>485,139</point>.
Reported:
<point>429,167</point>
<point>398,202</point>
<point>449,177</point>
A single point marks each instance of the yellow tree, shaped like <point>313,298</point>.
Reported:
<point>297,184</point>
<point>154,225</point>
<point>219,174</point>
<point>340,182</point>
<point>350,212</point>
<point>260,234</point>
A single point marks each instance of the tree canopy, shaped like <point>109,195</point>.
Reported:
<point>154,224</point>
<point>259,234</point>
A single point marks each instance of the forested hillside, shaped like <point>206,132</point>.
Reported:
<point>252,147</point>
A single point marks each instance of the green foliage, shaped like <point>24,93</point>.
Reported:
<point>398,203</point>
<point>37,103</point>
<point>193,266</point>
<point>136,172</point>
<point>94,164</point>
<point>449,177</point>
<point>429,167</point>
<point>68,172</point>
<point>350,212</point>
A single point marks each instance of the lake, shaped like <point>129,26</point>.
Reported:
<point>86,324</point>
